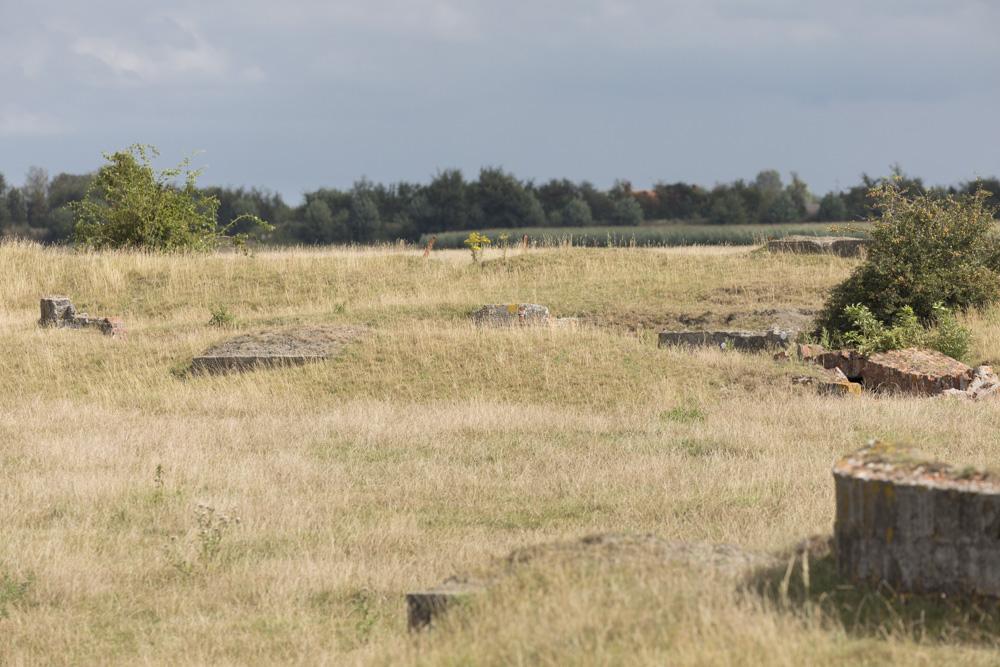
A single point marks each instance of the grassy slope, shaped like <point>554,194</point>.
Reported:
<point>428,449</point>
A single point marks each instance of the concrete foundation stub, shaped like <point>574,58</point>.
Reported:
<point>918,526</point>
<point>746,341</point>
<point>56,310</point>
<point>511,314</point>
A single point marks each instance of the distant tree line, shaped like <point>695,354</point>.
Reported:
<point>371,212</point>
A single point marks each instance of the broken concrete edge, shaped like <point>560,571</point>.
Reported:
<point>426,606</point>
<point>901,464</point>
<point>224,364</point>
<point>750,341</point>
<point>59,312</point>
<point>839,388</point>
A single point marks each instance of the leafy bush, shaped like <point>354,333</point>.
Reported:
<point>868,334</point>
<point>925,250</point>
<point>476,243</point>
<point>222,317</point>
<point>130,205</point>
<point>948,335</point>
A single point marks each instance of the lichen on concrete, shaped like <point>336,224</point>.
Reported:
<point>746,341</point>
<point>511,314</point>
<point>915,524</point>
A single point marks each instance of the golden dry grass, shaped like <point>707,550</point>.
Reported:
<point>428,448</point>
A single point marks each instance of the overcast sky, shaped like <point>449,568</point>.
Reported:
<point>296,94</point>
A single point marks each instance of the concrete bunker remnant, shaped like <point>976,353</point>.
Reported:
<point>292,346</point>
<point>916,371</point>
<point>746,341</point>
<point>842,246</point>
<point>912,371</point>
<point>511,314</point>
<point>59,312</point>
<point>919,526</point>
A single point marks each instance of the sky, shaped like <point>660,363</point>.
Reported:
<point>299,94</point>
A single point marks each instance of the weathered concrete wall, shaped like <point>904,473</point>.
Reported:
<point>511,314</point>
<point>748,341</point>
<point>919,527</point>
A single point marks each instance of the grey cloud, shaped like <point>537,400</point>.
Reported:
<point>308,92</point>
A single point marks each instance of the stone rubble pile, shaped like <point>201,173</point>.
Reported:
<point>985,384</point>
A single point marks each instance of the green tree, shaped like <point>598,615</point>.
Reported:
<point>626,211</point>
<point>364,221</point>
<point>680,201</point>
<point>131,205</point>
<point>66,188</point>
<point>322,226</point>
<point>505,202</point>
<point>576,213</point>
<point>832,208</point>
<point>59,225</point>
<point>600,203</point>
<point>555,196</point>
<point>36,187</point>
<point>446,204</point>
<point>800,196</point>
<point>728,207</point>
<point>782,208</point>
<point>4,212</point>
<point>16,207</point>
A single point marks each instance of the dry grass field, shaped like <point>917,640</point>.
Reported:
<point>278,517</point>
